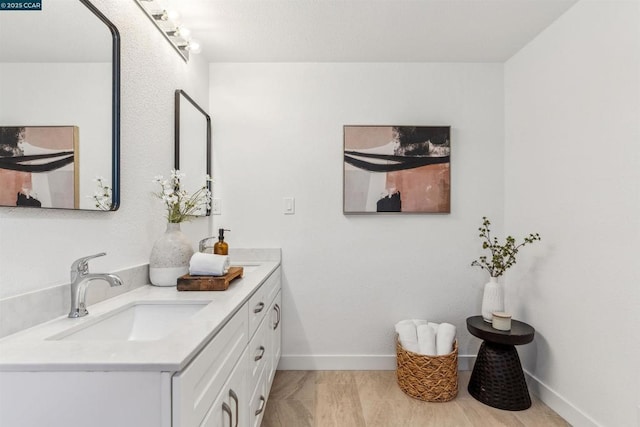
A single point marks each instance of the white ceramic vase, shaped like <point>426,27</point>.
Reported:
<point>170,257</point>
<point>492,299</point>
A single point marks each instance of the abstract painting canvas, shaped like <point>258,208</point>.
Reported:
<point>397,169</point>
<point>39,166</point>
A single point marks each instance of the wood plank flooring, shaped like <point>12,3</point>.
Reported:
<point>373,399</point>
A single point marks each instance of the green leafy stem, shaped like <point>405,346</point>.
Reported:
<point>502,256</point>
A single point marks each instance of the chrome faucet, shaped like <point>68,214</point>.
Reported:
<point>80,278</point>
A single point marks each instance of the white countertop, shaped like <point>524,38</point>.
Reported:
<point>33,350</point>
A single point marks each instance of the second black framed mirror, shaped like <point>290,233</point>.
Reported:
<point>192,143</point>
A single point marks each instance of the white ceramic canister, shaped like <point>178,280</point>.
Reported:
<point>501,321</point>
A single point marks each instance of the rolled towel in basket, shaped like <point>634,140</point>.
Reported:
<point>445,338</point>
<point>434,326</point>
<point>426,340</point>
<point>414,322</point>
<point>407,335</point>
<point>202,264</point>
<point>411,346</point>
<point>407,331</point>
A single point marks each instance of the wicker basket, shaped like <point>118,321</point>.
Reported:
<point>428,378</point>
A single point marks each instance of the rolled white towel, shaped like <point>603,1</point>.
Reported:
<point>434,326</point>
<point>414,322</point>
<point>411,346</point>
<point>407,331</point>
<point>202,264</point>
<point>407,335</point>
<point>445,338</point>
<point>427,340</point>
<point>404,322</point>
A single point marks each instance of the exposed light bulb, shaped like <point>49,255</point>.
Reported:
<point>173,15</point>
<point>194,47</point>
<point>183,32</point>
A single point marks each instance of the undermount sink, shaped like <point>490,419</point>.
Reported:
<point>137,321</point>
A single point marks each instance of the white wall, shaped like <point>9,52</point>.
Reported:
<point>572,115</point>
<point>277,132</point>
<point>38,246</point>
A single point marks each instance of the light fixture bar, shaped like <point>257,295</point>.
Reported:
<point>174,33</point>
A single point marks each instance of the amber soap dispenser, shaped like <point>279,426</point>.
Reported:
<point>221,247</point>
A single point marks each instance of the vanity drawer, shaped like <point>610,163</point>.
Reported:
<point>258,401</point>
<point>196,387</point>
<point>259,302</point>
<point>259,353</point>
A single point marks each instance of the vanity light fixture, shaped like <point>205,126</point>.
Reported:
<point>168,22</point>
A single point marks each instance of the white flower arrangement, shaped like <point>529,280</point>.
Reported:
<point>180,205</point>
<point>102,195</point>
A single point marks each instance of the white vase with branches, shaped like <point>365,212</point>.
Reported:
<point>503,257</point>
<point>172,252</point>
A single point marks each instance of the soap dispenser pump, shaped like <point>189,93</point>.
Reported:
<point>221,247</point>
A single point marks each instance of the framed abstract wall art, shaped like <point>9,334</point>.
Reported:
<point>39,166</point>
<point>397,169</point>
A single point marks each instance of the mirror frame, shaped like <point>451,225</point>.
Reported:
<point>115,104</point>
<point>115,111</point>
<point>179,94</point>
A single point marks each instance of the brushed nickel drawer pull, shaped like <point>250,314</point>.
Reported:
<point>227,409</point>
<point>261,408</point>
<point>259,308</point>
<point>234,396</point>
<point>277,309</point>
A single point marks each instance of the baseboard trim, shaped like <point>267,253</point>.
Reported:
<point>293,362</point>
<point>559,404</point>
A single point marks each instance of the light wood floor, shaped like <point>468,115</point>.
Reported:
<point>373,399</point>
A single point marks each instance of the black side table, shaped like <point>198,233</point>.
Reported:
<point>497,379</point>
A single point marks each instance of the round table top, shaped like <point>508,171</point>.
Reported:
<point>520,333</point>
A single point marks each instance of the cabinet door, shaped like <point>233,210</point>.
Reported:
<point>275,340</point>
<point>231,408</point>
<point>220,413</point>
<point>237,391</point>
<point>196,387</point>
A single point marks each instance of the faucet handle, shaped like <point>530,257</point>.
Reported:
<point>81,265</point>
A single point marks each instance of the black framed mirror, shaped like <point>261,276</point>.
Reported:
<point>192,143</point>
<point>60,108</point>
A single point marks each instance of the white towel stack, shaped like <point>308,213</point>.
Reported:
<point>202,264</point>
<point>427,338</point>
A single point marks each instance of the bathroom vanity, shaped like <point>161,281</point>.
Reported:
<point>150,357</point>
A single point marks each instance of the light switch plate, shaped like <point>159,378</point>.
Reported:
<point>289,205</point>
<point>216,206</point>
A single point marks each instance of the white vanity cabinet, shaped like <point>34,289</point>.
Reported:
<point>225,382</point>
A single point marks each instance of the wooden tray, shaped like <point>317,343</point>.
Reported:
<point>209,283</point>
